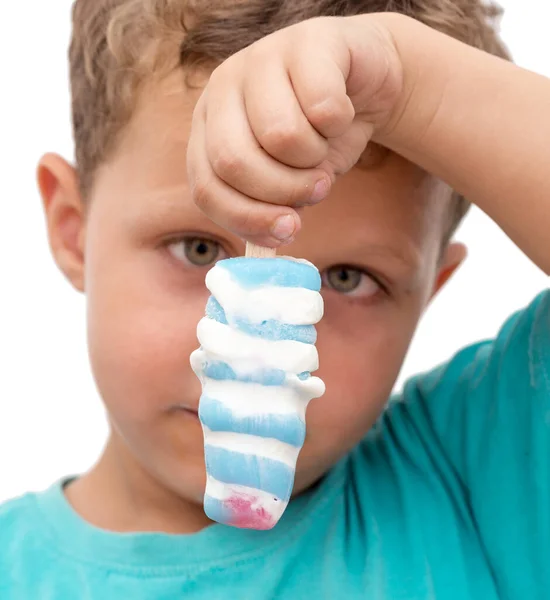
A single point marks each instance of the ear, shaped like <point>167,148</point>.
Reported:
<point>64,209</point>
<point>454,256</point>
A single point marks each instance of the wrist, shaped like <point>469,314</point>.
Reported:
<point>421,54</point>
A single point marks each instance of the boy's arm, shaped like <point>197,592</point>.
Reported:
<point>479,123</point>
<point>278,120</point>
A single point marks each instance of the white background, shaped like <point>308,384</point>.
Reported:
<point>51,420</point>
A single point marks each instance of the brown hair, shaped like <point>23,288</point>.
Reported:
<point>118,45</point>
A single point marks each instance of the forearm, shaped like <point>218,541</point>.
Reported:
<point>480,124</point>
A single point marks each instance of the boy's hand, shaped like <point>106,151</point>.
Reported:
<point>279,120</point>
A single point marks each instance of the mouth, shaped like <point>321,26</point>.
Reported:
<point>187,411</point>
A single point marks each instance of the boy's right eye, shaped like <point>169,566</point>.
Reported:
<point>351,281</point>
<point>197,251</point>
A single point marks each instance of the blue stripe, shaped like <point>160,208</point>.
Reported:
<point>253,471</point>
<point>221,371</point>
<point>215,311</point>
<point>255,272</point>
<point>267,330</point>
<point>289,429</point>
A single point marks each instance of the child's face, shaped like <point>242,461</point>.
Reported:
<point>147,249</point>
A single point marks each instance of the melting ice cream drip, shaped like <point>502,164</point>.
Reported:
<point>255,362</point>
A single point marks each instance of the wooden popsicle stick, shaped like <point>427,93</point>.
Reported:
<point>253,251</point>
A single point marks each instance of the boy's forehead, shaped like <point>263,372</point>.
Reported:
<point>385,200</point>
<point>164,110</point>
<point>393,208</point>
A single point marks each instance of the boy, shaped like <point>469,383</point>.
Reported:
<point>446,495</point>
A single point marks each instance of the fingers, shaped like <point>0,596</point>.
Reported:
<point>237,158</point>
<point>276,123</point>
<point>296,100</point>
<point>258,222</point>
<point>346,150</point>
<point>275,115</point>
<point>318,77</point>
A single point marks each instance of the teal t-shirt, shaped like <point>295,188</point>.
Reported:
<point>447,497</point>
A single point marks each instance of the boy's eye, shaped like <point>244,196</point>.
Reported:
<point>350,281</point>
<point>200,252</point>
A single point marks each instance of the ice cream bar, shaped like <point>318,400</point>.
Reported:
<point>257,352</point>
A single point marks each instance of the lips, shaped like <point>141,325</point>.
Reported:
<point>187,410</point>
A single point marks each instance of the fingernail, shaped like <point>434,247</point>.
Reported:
<point>320,191</point>
<point>284,228</point>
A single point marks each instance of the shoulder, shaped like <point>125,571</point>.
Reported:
<point>24,550</point>
<point>518,355</point>
<point>480,425</point>
<point>16,523</point>
<point>488,393</point>
<point>471,439</point>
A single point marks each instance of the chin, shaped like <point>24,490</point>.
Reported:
<point>186,478</point>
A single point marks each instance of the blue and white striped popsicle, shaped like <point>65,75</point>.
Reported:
<point>255,362</point>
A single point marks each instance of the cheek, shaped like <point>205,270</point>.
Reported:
<point>361,351</point>
<point>141,333</point>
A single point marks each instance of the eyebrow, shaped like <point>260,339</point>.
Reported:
<point>406,255</point>
<point>398,265</point>
<point>402,253</point>
<point>172,206</point>
<point>165,204</point>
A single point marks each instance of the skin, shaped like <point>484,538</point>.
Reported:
<point>124,249</point>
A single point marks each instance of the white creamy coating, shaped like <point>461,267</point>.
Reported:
<point>247,399</point>
<point>243,443</point>
<point>246,353</point>
<point>294,306</point>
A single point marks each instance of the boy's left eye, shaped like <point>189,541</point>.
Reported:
<point>350,281</point>
<point>200,252</point>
